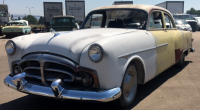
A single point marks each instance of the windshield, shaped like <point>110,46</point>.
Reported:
<point>117,19</point>
<point>186,17</point>
<point>15,24</point>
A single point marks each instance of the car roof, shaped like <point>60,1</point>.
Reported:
<point>147,8</point>
<point>19,21</point>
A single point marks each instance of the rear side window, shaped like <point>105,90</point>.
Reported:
<point>156,20</point>
<point>168,21</point>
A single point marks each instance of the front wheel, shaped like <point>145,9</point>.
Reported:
<point>128,87</point>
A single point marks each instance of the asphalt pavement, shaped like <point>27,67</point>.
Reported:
<point>174,89</point>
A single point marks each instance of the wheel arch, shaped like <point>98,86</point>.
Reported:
<point>139,63</point>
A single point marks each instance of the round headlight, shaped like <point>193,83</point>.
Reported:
<point>95,53</point>
<point>10,47</point>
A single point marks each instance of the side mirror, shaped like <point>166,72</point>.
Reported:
<point>78,27</point>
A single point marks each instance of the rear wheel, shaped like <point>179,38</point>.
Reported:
<point>128,87</point>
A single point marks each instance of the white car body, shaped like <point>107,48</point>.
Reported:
<point>101,55</point>
<point>77,46</point>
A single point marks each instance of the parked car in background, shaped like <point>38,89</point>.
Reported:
<point>182,25</point>
<point>18,27</point>
<point>105,63</point>
<point>64,23</point>
<point>4,16</point>
<point>189,19</point>
<point>198,21</point>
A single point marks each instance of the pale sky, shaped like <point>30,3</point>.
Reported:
<point>19,6</point>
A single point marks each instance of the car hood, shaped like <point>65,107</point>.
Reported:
<point>69,44</point>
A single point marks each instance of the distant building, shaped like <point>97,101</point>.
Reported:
<point>122,2</point>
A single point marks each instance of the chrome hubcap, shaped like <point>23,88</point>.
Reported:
<point>130,84</point>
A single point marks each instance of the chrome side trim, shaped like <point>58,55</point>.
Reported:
<point>132,53</point>
<point>139,51</point>
<point>161,45</point>
<point>103,96</point>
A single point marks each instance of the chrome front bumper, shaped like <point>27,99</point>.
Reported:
<point>56,91</point>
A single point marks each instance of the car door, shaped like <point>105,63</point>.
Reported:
<point>163,41</point>
<point>177,38</point>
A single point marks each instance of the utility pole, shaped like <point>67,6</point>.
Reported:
<point>29,9</point>
<point>3,2</point>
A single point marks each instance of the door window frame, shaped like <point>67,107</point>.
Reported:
<point>170,18</point>
<point>148,23</point>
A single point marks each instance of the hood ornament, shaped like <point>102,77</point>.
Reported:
<point>54,32</point>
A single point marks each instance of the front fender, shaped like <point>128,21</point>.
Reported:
<point>112,67</point>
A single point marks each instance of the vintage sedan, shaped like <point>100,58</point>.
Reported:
<point>106,63</point>
<point>18,27</point>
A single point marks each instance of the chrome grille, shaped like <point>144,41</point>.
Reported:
<point>46,68</point>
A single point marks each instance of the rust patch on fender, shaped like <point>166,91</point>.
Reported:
<point>178,54</point>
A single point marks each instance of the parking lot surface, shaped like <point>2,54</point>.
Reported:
<point>174,89</point>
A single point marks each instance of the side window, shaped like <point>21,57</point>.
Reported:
<point>156,21</point>
<point>168,21</point>
<point>151,23</point>
<point>94,21</point>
